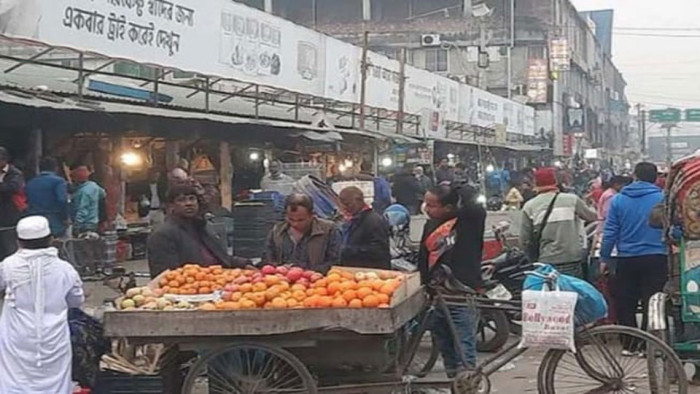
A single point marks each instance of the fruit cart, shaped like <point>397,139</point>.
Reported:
<point>298,350</point>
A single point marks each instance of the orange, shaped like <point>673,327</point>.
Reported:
<point>320,283</point>
<point>236,296</point>
<point>324,302</point>
<point>189,279</point>
<point>296,287</point>
<point>174,291</point>
<point>299,295</point>
<point>387,289</point>
<point>200,275</point>
<point>347,275</point>
<point>364,292</point>
<point>246,288</point>
<point>174,283</point>
<point>364,283</point>
<point>339,302</point>
<point>334,277</point>
<point>217,287</point>
<point>163,282</point>
<point>247,304</point>
<point>284,285</point>
<point>371,301</point>
<point>258,298</point>
<point>292,303</point>
<point>272,280</point>
<point>207,306</point>
<point>349,295</point>
<point>348,285</point>
<point>310,292</point>
<point>181,279</point>
<point>272,293</point>
<point>355,303</point>
<point>311,302</point>
<point>204,290</point>
<point>220,281</point>
<point>383,298</point>
<point>217,270</point>
<point>260,286</point>
<point>333,288</point>
<point>279,302</point>
<point>322,291</point>
<point>377,284</point>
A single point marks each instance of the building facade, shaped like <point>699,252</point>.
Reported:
<point>542,52</point>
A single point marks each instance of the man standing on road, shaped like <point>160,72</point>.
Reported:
<point>550,225</point>
<point>12,203</point>
<point>276,180</point>
<point>47,195</point>
<point>365,233</point>
<point>641,254</point>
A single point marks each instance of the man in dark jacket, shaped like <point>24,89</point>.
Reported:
<point>407,190</point>
<point>47,195</point>
<point>185,237</point>
<point>303,240</point>
<point>11,200</point>
<point>365,233</point>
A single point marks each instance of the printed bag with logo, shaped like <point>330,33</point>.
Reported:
<point>548,319</point>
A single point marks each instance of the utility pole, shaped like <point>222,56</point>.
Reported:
<point>363,84</point>
<point>402,91</point>
<point>669,151</point>
<point>644,131</point>
<point>511,45</point>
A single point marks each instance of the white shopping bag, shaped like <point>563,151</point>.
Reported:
<point>548,319</point>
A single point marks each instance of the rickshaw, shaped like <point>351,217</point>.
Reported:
<point>674,315</point>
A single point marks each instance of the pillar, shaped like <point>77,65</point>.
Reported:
<point>225,175</point>
<point>172,154</point>
<point>366,10</point>
<point>268,6</point>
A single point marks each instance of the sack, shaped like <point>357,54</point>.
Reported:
<point>591,305</point>
<point>548,319</point>
<point>533,250</point>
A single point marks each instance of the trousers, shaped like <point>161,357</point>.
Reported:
<point>636,279</point>
<point>465,319</point>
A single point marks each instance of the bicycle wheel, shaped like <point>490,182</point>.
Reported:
<point>249,368</point>
<point>425,356</point>
<point>613,359</point>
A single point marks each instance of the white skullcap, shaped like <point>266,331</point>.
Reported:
<point>33,227</point>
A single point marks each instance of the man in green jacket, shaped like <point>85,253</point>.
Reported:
<point>562,240</point>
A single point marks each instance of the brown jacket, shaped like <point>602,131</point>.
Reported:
<point>317,251</point>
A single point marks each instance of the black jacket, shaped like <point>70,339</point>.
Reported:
<point>407,190</point>
<point>464,258</point>
<point>366,243</point>
<point>178,242</point>
<point>12,184</point>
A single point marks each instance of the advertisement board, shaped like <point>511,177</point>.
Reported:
<point>382,82</point>
<point>485,109</point>
<point>342,71</point>
<point>215,37</point>
<point>434,97</point>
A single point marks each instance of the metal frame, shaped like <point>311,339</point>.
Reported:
<point>375,119</point>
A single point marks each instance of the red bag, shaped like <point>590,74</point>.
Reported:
<point>20,200</point>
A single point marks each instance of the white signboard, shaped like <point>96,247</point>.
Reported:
<point>382,82</point>
<point>486,109</point>
<point>529,120</point>
<point>342,71</point>
<point>434,97</point>
<point>215,37</point>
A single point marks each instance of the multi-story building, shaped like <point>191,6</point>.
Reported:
<point>505,47</point>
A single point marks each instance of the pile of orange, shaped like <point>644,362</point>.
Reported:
<point>193,279</point>
<point>338,289</point>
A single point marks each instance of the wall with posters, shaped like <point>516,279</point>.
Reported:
<point>230,40</point>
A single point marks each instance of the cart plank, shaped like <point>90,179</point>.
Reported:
<point>157,324</point>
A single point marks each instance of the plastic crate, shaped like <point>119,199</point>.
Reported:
<point>118,383</point>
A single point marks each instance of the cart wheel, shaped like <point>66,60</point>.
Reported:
<point>249,368</point>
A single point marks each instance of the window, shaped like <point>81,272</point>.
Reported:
<point>134,70</point>
<point>436,60</point>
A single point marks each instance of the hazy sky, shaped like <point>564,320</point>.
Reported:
<point>660,71</point>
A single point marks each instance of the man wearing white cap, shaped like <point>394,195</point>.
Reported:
<point>35,346</point>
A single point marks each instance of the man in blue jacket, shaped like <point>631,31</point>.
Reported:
<point>47,195</point>
<point>641,254</point>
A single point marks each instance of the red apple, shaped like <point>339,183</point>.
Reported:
<point>295,274</point>
<point>303,281</point>
<point>308,273</point>
<point>269,270</point>
<point>241,279</point>
<point>316,276</point>
<point>231,288</point>
<point>282,269</point>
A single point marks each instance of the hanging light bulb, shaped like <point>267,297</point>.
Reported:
<point>387,162</point>
<point>490,168</point>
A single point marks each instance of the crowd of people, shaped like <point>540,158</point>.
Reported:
<point>632,251</point>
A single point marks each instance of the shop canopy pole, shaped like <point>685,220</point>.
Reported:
<point>225,175</point>
<point>363,85</point>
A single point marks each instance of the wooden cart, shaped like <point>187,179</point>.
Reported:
<point>339,350</point>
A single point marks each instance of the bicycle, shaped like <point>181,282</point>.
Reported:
<point>598,366</point>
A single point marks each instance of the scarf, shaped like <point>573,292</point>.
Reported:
<point>441,240</point>
<point>30,270</point>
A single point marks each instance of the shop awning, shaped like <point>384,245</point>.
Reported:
<point>51,101</point>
